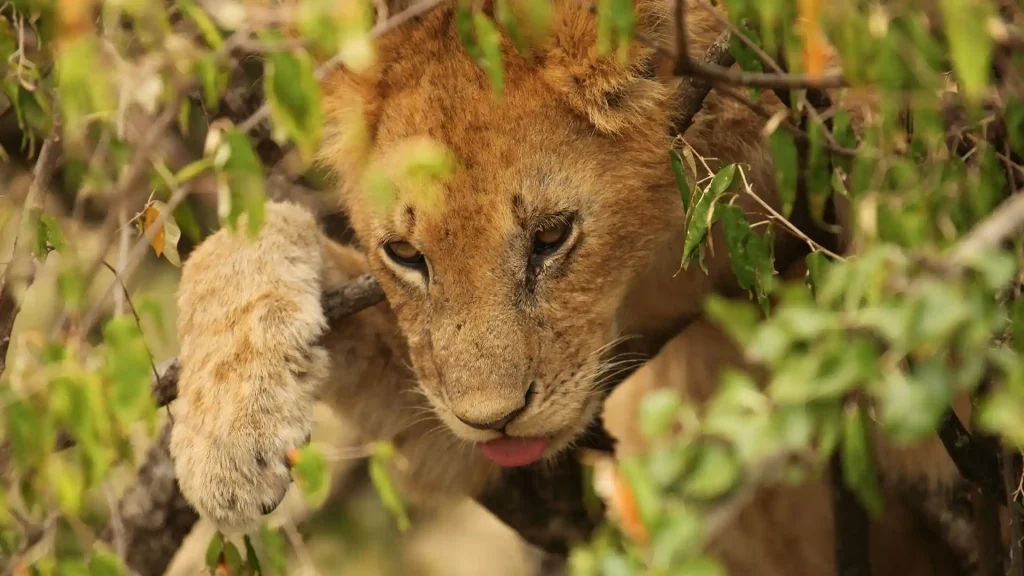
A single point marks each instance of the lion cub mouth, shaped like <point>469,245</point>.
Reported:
<point>510,452</point>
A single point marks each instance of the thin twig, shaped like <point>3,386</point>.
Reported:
<point>134,257</point>
<point>138,320</point>
<point>785,221</point>
<point>785,124</point>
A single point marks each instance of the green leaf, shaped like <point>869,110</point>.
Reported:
<point>251,558</point>
<point>784,160</point>
<point>274,547</point>
<point>817,266</point>
<point>8,41</point>
<point>81,91</point>
<point>997,268</point>
<point>50,234</point>
<point>604,27</point>
<point>667,461</point>
<point>681,183</point>
<point>1013,116</point>
<point>913,404</point>
<point>624,20</point>
<point>749,254</point>
<point>679,538</point>
<point>128,367</point>
<point>294,97</point>
<point>382,452</point>
<point>1002,413</point>
<point>970,43</point>
<point>714,472</point>
<point>989,191</point>
<point>819,173</point>
<point>214,81</point>
<point>703,566</point>
<point>489,41</point>
<point>1017,324</point>
<point>186,219</point>
<point>29,434</point>
<point>858,465</point>
<point>658,410</point>
<point>244,172</point>
<point>202,21</point>
<point>71,567</point>
<point>233,558</point>
<point>105,563</point>
<point>466,29</point>
<point>504,15</point>
<point>213,551</point>
<point>744,55</point>
<point>736,317</point>
<point>67,484</point>
<point>311,474</point>
<point>723,179</point>
<point>697,223</point>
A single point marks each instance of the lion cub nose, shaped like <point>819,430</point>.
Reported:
<point>500,423</point>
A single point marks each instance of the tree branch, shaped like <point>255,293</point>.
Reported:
<point>695,88</point>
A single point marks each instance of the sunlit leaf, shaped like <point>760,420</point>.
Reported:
<point>714,472</point>
<point>244,183</point>
<point>309,468</point>
<point>294,97</point>
<point>658,409</point>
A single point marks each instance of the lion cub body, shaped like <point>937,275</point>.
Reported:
<point>483,322</point>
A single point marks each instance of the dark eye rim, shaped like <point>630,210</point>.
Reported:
<point>419,262</point>
<point>547,248</point>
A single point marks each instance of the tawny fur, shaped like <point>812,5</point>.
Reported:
<point>573,132</point>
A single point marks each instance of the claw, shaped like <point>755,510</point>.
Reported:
<point>268,508</point>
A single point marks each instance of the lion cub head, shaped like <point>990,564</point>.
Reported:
<point>507,281</point>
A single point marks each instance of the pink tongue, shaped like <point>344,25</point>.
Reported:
<point>514,451</point>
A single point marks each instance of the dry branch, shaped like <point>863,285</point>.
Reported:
<point>695,88</point>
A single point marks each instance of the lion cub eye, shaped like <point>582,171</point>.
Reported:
<point>405,254</point>
<point>548,239</point>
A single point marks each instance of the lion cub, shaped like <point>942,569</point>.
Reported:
<point>557,239</point>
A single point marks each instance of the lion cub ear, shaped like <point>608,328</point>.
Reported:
<point>614,94</point>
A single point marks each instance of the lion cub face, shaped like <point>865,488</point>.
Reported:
<point>507,285</point>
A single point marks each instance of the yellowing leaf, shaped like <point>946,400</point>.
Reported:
<point>157,240</point>
<point>165,239</point>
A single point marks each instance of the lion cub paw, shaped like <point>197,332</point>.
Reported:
<point>249,325</point>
